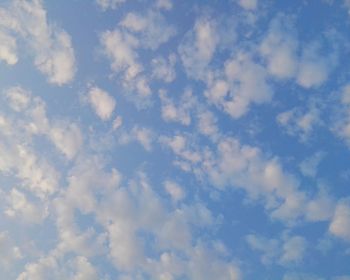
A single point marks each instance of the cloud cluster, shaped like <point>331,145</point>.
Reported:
<point>50,45</point>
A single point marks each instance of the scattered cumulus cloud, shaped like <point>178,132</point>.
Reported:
<point>102,103</point>
<point>126,143</point>
<point>51,46</point>
<point>340,225</point>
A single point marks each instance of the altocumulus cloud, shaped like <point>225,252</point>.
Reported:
<point>168,140</point>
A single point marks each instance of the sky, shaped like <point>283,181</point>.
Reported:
<point>169,139</point>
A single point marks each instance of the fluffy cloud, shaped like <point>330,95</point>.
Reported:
<point>174,190</point>
<point>54,268</point>
<point>121,46</point>
<point>172,112</point>
<point>314,68</point>
<point>207,124</point>
<point>164,69</point>
<point>52,46</point>
<point>279,48</point>
<point>245,82</point>
<point>20,207</point>
<point>142,135</point>
<point>310,165</point>
<point>247,168</point>
<point>152,28</point>
<point>66,137</point>
<point>8,48</point>
<point>198,47</point>
<point>102,103</point>
<point>286,250</point>
<point>300,122</point>
<point>340,224</point>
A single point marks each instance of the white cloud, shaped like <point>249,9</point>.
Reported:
<point>35,172</point>
<point>52,46</point>
<point>119,47</point>
<point>137,31</point>
<point>269,247</point>
<point>164,4</point>
<point>18,206</point>
<point>246,167</point>
<point>118,121</point>
<point>280,50</point>
<point>8,48</point>
<point>84,269</point>
<point>198,47</point>
<point>300,122</point>
<point>18,98</point>
<point>142,135</point>
<point>248,4</point>
<point>293,249</point>
<point>152,28</point>
<point>67,138</point>
<point>309,166</point>
<point>314,67</point>
<point>163,69</point>
<point>285,250</point>
<point>204,267</point>
<point>174,190</point>
<point>102,103</point>
<point>245,83</point>
<point>172,112</point>
<point>51,267</point>
<point>321,207</point>
<point>207,124</point>
<point>340,224</point>
<point>109,4</point>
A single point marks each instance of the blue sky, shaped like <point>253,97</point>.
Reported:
<point>172,140</point>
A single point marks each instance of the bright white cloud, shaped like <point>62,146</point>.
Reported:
<point>52,46</point>
<point>245,83</point>
<point>102,103</point>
